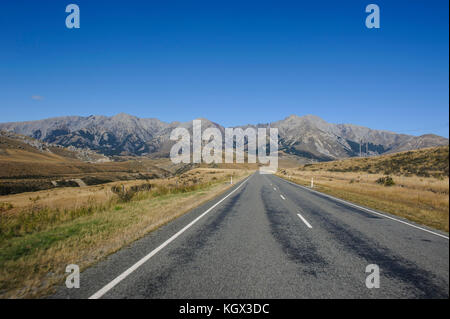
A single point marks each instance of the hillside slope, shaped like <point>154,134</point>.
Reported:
<point>423,163</point>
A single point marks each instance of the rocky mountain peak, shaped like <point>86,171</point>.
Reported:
<point>309,137</point>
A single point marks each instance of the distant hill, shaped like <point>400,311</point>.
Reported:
<point>309,137</point>
<point>15,146</point>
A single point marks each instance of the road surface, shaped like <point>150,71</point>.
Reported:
<point>269,238</point>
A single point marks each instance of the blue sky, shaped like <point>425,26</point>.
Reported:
<point>233,62</point>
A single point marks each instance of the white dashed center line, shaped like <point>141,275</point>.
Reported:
<point>305,221</point>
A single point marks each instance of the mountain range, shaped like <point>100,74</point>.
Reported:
<point>307,137</point>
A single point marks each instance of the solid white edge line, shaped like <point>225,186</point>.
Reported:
<point>127,272</point>
<point>305,221</point>
<point>282,197</point>
<point>367,210</point>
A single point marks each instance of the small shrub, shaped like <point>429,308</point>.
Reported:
<point>385,181</point>
<point>125,195</point>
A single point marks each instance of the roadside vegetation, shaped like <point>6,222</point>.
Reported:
<point>42,232</point>
<point>413,185</point>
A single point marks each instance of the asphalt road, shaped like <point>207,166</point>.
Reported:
<point>268,238</point>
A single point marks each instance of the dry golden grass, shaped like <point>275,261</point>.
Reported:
<point>76,197</point>
<point>39,237</point>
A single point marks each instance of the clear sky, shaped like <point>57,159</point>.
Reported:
<point>233,62</point>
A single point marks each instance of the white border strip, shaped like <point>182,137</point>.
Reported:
<point>127,272</point>
<point>366,209</point>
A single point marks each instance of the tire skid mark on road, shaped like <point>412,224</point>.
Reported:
<point>294,244</point>
<point>391,265</point>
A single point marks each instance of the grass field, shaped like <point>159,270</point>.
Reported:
<point>419,190</point>
<point>42,232</point>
